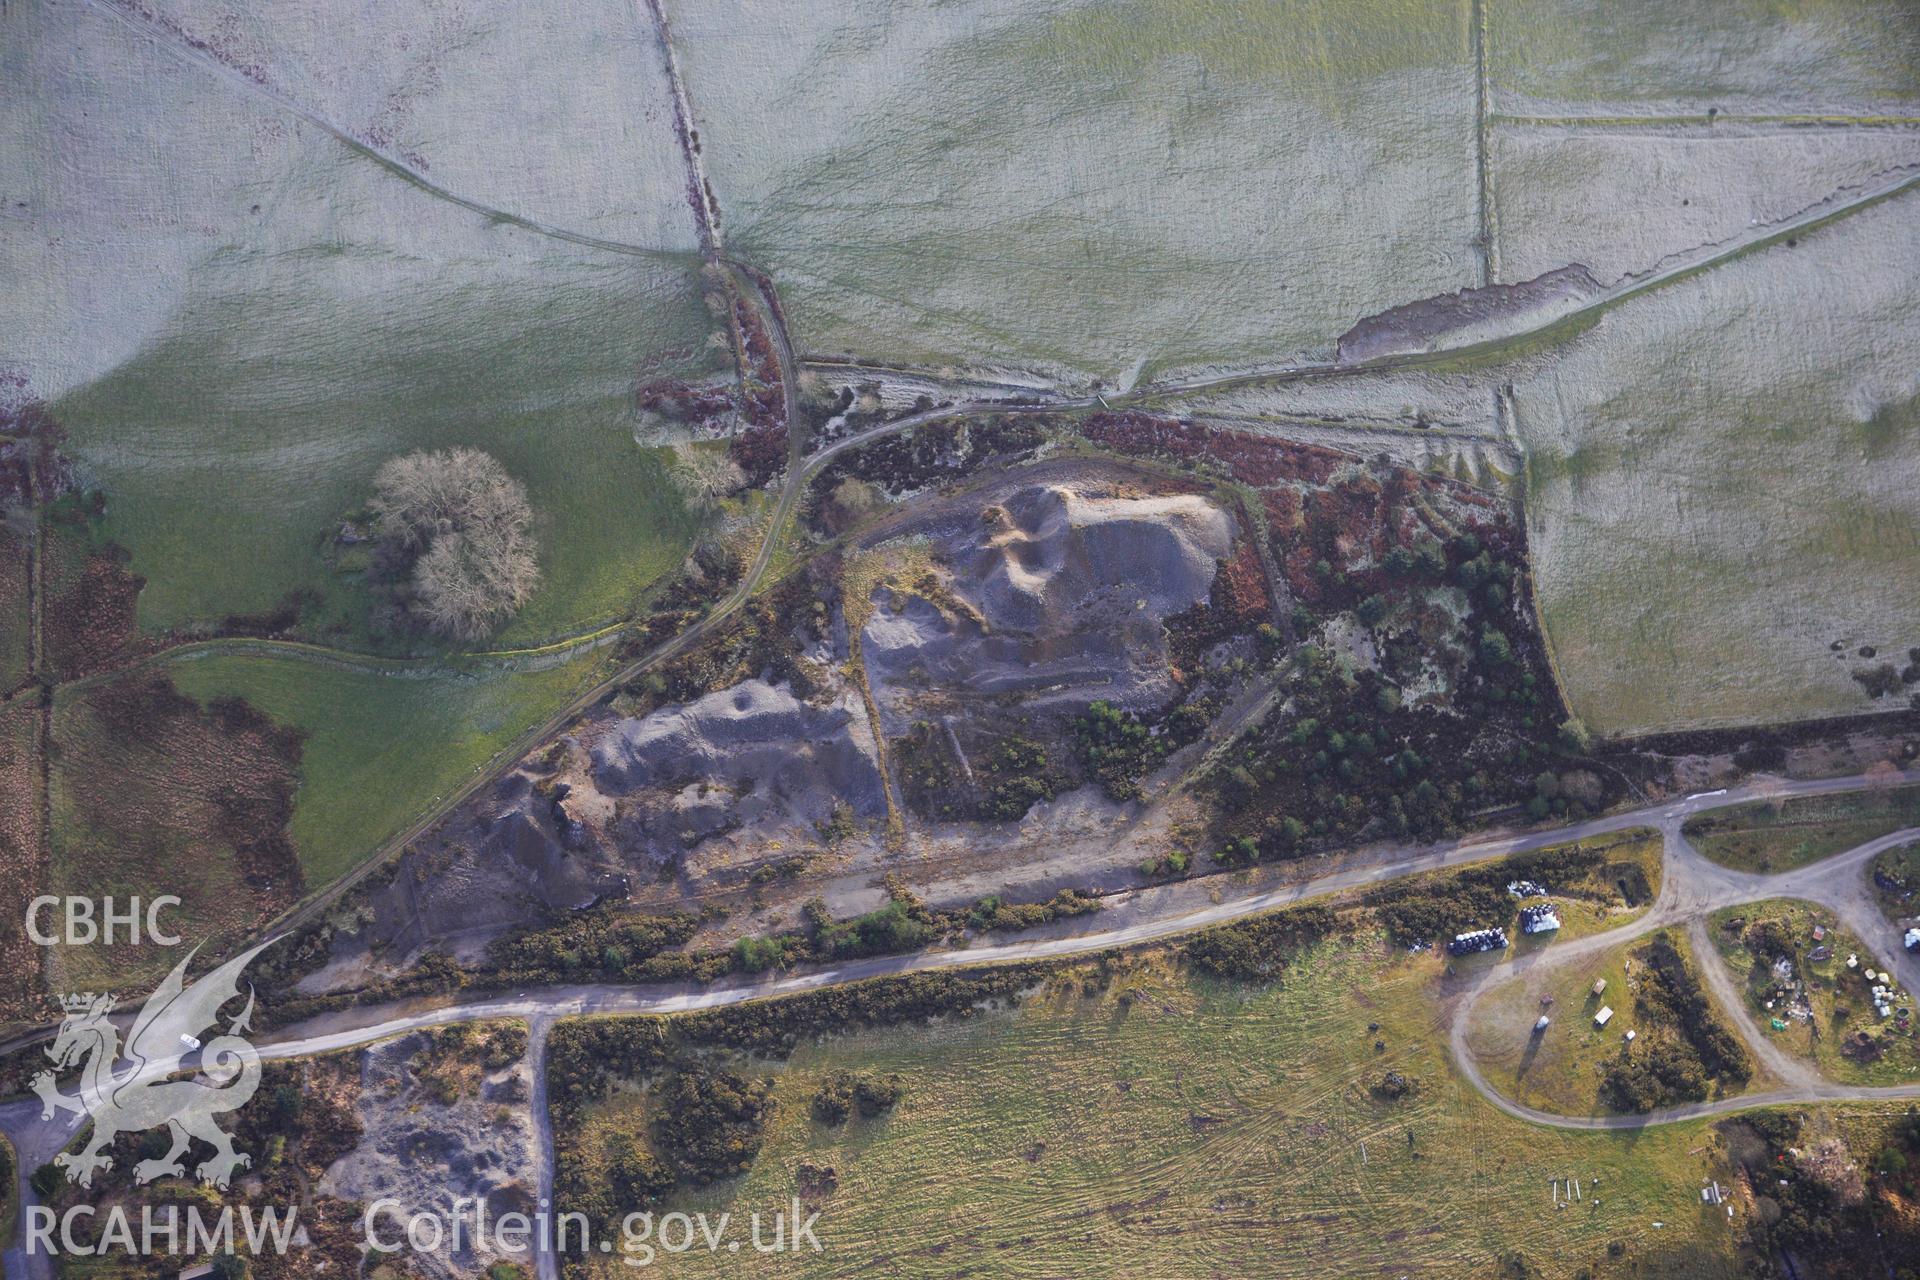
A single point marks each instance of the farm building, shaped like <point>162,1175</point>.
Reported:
<point>1603,1017</point>
<point>1467,944</point>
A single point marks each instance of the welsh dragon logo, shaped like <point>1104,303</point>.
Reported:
<point>134,1089</point>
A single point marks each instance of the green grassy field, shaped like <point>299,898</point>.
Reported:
<point>1774,836</point>
<point>1837,999</point>
<point>231,449</point>
<point>380,748</point>
<point>1163,1125</point>
<point>177,805</point>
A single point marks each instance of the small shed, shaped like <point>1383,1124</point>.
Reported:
<point>1603,1017</point>
<point>1599,986</point>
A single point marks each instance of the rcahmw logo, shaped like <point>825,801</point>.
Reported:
<point>129,1090</point>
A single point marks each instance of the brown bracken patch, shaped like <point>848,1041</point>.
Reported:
<point>162,796</point>
<point>88,622</point>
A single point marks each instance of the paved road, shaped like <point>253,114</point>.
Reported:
<point>538,1028</point>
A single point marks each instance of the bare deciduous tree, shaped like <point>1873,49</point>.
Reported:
<point>704,475</point>
<point>468,526</point>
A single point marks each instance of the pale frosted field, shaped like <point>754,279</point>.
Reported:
<point>560,113</point>
<point>237,317</point>
<point>133,170</point>
<point>1655,57</point>
<point>1622,201</point>
<point>1726,478</point>
<point>1089,189</point>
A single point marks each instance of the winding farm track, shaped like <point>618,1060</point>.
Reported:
<point>1691,889</point>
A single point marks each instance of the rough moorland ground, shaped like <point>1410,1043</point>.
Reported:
<point>154,794</point>
<point>22,861</point>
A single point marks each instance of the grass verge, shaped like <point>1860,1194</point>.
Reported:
<point>1779,835</point>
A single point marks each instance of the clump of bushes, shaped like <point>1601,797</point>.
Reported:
<point>1392,1087</point>
<point>1116,748</point>
<point>603,941</point>
<point>1257,950</point>
<point>709,1123</point>
<point>991,913</point>
<point>845,1092</point>
<point>1683,1066</point>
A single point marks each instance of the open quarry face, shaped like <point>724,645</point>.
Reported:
<point>426,1144</point>
<point>734,774</point>
<point>990,613</point>
<point>753,759</point>
<point>1054,595</point>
